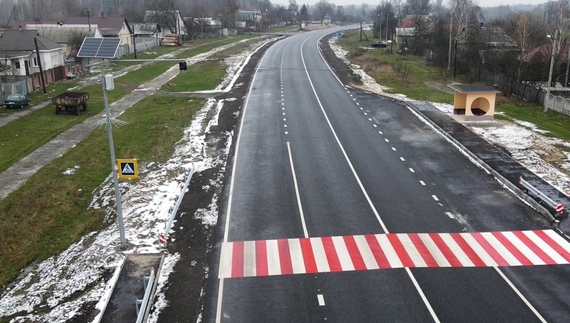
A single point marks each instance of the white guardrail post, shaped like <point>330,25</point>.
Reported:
<point>557,207</point>
<point>143,303</point>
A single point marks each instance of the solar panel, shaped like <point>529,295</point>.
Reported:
<point>99,47</point>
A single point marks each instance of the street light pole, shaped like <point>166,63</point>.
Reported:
<point>551,67</point>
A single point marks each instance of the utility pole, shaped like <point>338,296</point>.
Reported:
<point>40,65</point>
<point>551,67</point>
<point>450,40</point>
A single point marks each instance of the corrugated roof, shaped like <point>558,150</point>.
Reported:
<point>63,34</point>
<point>17,43</point>
<point>108,26</point>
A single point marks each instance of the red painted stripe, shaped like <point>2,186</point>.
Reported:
<point>354,253</point>
<point>330,251</point>
<point>512,249</point>
<point>553,244</point>
<point>536,249</point>
<point>423,250</point>
<point>377,251</point>
<point>447,253</point>
<point>308,256</point>
<point>477,261</point>
<point>400,250</point>
<point>237,259</point>
<point>284,257</point>
<point>261,258</point>
<point>490,250</point>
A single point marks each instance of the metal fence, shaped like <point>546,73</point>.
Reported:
<point>509,86</point>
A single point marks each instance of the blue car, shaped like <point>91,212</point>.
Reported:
<point>16,101</point>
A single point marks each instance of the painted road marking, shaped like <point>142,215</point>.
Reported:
<point>393,250</point>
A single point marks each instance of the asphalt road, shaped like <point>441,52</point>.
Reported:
<point>315,159</point>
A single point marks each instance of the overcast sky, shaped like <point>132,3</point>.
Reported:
<point>482,3</point>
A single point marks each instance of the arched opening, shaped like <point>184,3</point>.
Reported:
<point>480,106</point>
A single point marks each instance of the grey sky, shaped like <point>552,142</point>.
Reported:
<point>482,3</point>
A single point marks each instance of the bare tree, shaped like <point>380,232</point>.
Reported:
<point>323,8</point>
<point>164,13</point>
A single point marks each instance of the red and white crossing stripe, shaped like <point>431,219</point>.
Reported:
<point>395,250</point>
<point>559,208</point>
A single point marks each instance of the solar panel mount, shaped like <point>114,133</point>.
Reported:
<point>93,47</point>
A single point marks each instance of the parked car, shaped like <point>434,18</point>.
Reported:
<point>380,44</point>
<point>16,101</point>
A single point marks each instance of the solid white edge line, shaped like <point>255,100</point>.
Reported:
<point>338,141</point>
<point>422,295</point>
<point>230,198</point>
<point>297,194</point>
<point>418,288</point>
<point>519,294</point>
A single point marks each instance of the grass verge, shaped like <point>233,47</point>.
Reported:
<point>56,210</point>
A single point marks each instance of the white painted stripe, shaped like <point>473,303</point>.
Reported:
<point>402,159</point>
<point>226,260</point>
<point>450,215</point>
<point>296,256</point>
<point>375,125</point>
<point>435,198</point>
<point>423,183</point>
<point>365,252</point>
<point>411,249</point>
<point>521,296</point>
<point>380,132</point>
<point>386,140</point>
<point>529,254</point>
<point>273,261</point>
<point>286,132</point>
<point>479,250</point>
<point>321,299</point>
<point>365,113</point>
<point>502,250</point>
<point>394,148</point>
<point>389,251</point>
<point>357,103</point>
<point>297,195</point>
<point>434,250</point>
<point>558,239</point>
<point>320,255</point>
<point>369,119</point>
<point>249,261</point>
<point>284,119</point>
<point>343,255</point>
<point>285,125</point>
<point>412,170</point>
<point>456,250</point>
<point>545,247</point>
<point>422,295</point>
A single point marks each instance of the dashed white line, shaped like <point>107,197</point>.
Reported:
<point>365,113</point>
<point>435,198</point>
<point>402,159</point>
<point>380,132</point>
<point>321,299</point>
<point>394,148</point>
<point>375,125</point>
<point>386,140</point>
<point>369,119</point>
<point>423,183</point>
<point>412,170</point>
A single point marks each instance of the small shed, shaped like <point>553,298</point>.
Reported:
<point>475,102</point>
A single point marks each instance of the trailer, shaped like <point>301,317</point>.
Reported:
<point>70,101</point>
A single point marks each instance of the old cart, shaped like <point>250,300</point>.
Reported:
<point>70,101</point>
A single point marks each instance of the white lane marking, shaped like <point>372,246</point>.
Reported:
<point>284,119</point>
<point>296,252</point>
<point>422,295</point>
<point>343,254</point>
<point>380,132</point>
<point>435,198</point>
<point>450,215</point>
<point>320,255</point>
<point>501,249</point>
<point>370,119</point>
<point>321,299</point>
<point>249,261</point>
<point>285,125</point>
<point>232,182</point>
<point>545,247</point>
<point>402,159</point>
<point>226,260</point>
<point>375,125</point>
<point>386,140</point>
<point>418,288</point>
<point>423,183</point>
<point>273,261</point>
<point>357,103</point>
<point>286,132</point>
<point>411,170</point>
<point>520,295</point>
<point>376,214</point>
<point>297,194</point>
<point>412,251</point>
<point>529,254</point>
<point>365,113</point>
<point>434,250</point>
<point>457,250</point>
<point>366,253</point>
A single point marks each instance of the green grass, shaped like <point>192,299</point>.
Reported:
<point>410,75</point>
<point>55,213</point>
<point>205,75</point>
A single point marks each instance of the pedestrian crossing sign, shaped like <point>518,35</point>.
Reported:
<point>128,168</point>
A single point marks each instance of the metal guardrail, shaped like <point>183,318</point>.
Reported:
<point>142,304</point>
<point>177,205</point>
<point>558,208</point>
